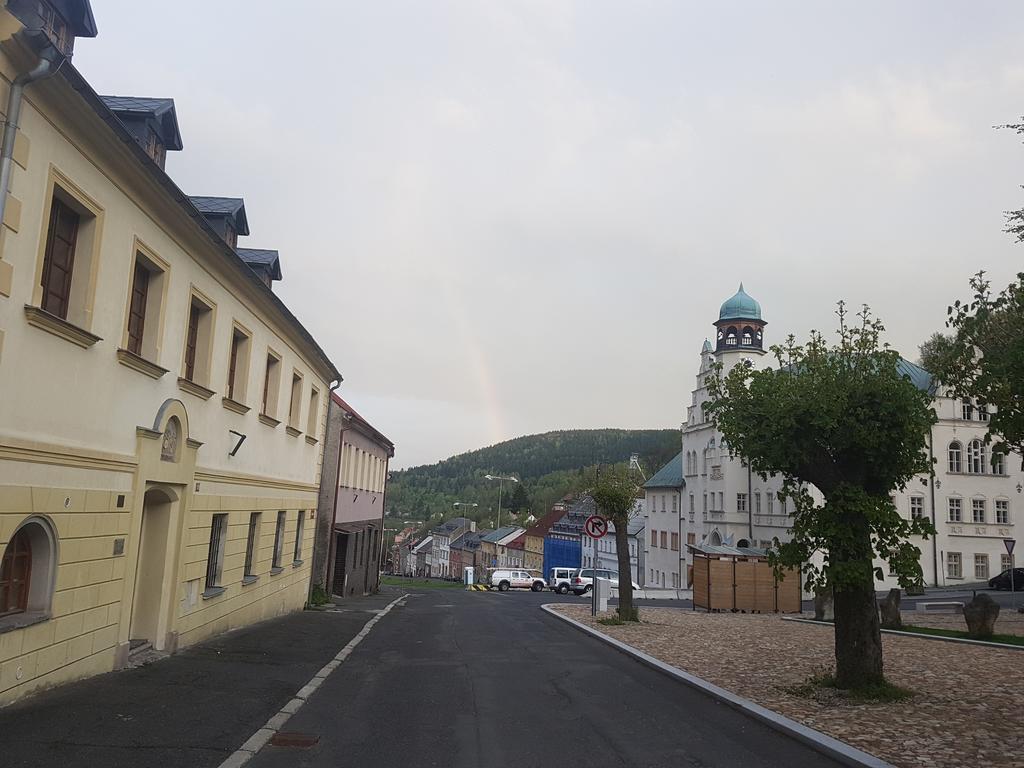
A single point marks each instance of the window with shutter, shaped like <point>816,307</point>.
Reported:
<point>137,308</point>
<point>59,259</point>
<point>191,342</point>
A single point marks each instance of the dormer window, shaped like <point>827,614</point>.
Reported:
<point>155,147</point>
<point>55,27</point>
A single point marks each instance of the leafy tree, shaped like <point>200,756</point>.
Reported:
<point>985,358</point>
<point>1015,219</point>
<point>844,419</point>
<point>934,351</point>
<point>614,491</point>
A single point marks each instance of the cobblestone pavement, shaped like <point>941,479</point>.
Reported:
<point>966,710</point>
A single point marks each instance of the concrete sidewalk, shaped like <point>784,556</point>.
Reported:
<point>191,710</point>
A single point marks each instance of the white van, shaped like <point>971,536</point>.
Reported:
<point>505,579</point>
<point>560,580</point>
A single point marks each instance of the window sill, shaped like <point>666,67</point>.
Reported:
<point>213,592</point>
<point>22,620</point>
<point>234,405</point>
<point>250,579</point>
<point>194,389</point>
<point>140,364</point>
<point>311,440</point>
<point>276,570</point>
<point>43,320</point>
<point>292,430</point>
<point>296,563</point>
<point>270,421</point>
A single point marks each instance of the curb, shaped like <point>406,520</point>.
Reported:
<point>920,635</point>
<point>816,740</point>
<point>477,588</point>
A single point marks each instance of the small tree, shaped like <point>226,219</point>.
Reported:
<point>519,500</point>
<point>985,358</point>
<point>614,492</point>
<point>844,419</point>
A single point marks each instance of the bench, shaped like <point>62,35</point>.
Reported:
<point>941,607</point>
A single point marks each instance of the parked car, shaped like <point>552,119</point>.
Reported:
<point>583,580</point>
<point>1002,581</point>
<point>560,579</point>
<point>506,579</point>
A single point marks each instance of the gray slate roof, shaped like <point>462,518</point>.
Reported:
<point>226,206</point>
<point>501,533</point>
<point>146,106</point>
<point>143,105</point>
<point>223,206</point>
<point>262,257</point>
<point>669,476</point>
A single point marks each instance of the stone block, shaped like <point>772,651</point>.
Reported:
<point>889,609</point>
<point>51,657</point>
<point>823,608</point>
<point>10,645</point>
<point>16,499</point>
<point>37,636</point>
<point>80,647</point>
<point>104,638</point>
<point>17,671</point>
<point>981,614</point>
<point>68,627</point>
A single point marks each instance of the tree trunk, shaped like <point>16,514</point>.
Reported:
<point>625,572</point>
<point>857,637</point>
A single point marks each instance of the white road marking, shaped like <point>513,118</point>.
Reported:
<point>258,740</point>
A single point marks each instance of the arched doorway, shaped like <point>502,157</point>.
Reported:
<point>152,594</point>
<point>715,539</point>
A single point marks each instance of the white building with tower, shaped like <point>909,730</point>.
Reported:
<point>974,498</point>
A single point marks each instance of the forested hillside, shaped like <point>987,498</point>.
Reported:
<point>549,466</point>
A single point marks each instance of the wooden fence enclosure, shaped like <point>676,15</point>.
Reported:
<point>742,582</point>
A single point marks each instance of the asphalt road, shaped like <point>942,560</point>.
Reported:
<point>479,679</point>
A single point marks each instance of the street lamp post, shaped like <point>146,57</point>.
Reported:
<point>456,505</point>
<point>501,481</point>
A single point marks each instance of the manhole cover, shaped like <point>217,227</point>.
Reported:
<point>294,739</point>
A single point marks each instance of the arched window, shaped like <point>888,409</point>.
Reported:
<point>730,337</point>
<point>997,464</point>
<point>748,336</point>
<point>16,574</point>
<point>28,570</point>
<point>955,457</point>
<point>976,457</point>
<point>705,467</point>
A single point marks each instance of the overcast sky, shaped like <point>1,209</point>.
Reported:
<point>501,218</point>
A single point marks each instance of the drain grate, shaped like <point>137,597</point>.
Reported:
<point>294,739</point>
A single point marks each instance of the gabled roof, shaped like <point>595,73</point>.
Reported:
<point>144,106</point>
<point>79,15</point>
<point>669,476</point>
<point>262,257</point>
<point>223,206</point>
<point>542,526</point>
<point>495,537</point>
<point>918,376</point>
<point>468,540</point>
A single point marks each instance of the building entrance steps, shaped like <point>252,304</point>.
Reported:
<point>190,710</point>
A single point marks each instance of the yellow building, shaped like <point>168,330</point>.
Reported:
<point>161,410</point>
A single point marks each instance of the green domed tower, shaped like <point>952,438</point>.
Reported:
<point>740,325</point>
